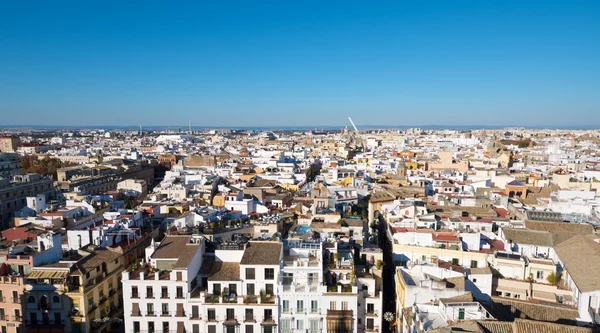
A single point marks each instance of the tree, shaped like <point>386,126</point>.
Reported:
<point>553,278</point>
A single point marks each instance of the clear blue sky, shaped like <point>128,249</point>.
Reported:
<point>300,62</point>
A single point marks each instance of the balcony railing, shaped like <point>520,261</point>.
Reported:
<point>212,318</point>
<point>16,300</point>
<point>149,295</point>
<point>372,313</point>
<point>92,308</point>
<point>249,318</point>
<point>3,317</point>
<point>164,295</point>
<point>135,295</point>
<point>374,328</point>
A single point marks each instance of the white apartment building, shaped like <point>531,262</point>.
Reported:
<point>156,295</point>
<point>238,291</point>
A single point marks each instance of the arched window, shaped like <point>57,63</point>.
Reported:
<point>55,299</point>
<point>31,299</point>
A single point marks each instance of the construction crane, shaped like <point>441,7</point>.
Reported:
<point>351,122</point>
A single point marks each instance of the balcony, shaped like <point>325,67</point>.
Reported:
<point>165,314</point>
<point>249,318</point>
<point>135,295</point>
<point>230,320</point>
<point>4,317</point>
<point>372,329</point>
<point>250,300</point>
<point>268,320</point>
<point>212,318</point>
<point>93,308</point>
<point>149,295</point>
<point>595,314</point>
<point>339,313</point>
<point>179,296</point>
<point>372,313</point>
<point>150,313</point>
<point>164,296</point>
<point>136,313</point>
<point>17,318</point>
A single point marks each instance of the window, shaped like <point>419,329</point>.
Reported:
<point>286,306</point>
<point>344,305</point>
<point>55,299</point>
<point>269,274</point>
<point>211,314</point>
<point>300,324</point>
<point>249,314</point>
<point>314,306</point>
<point>454,261</point>
<point>249,329</point>
<point>267,329</point>
<point>151,327</point>
<point>136,326</point>
<point>165,309</point>
<point>57,318</point>
<point>250,274</point>
<point>269,289</point>
<point>370,323</point>
<point>17,315</point>
<point>230,314</point>
<point>540,275</point>
<point>2,314</point>
<point>216,289</point>
<point>195,328</point>
<point>474,280</point>
<point>179,292</point>
<point>15,296</point>
<point>31,299</point>
<point>370,308</point>
<point>164,293</point>
<point>507,294</point>
<point>332,305</point>
<point>134,292</point>
<point>250,289</point>
<point>91,302</point>
<point>473,263</point>
<point>179,276</point>
<point>268,314</point>
<point>461,314</point>
<point>314,326</point>
<point>212,328</point>
<point>165,326</point>
<point>149,292</point>
<point>150,309</point>
<point>300,306</point>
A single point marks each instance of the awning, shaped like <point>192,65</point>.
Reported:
<point>544,295</point>
<point>511,290</point>
<point>39,274</point>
